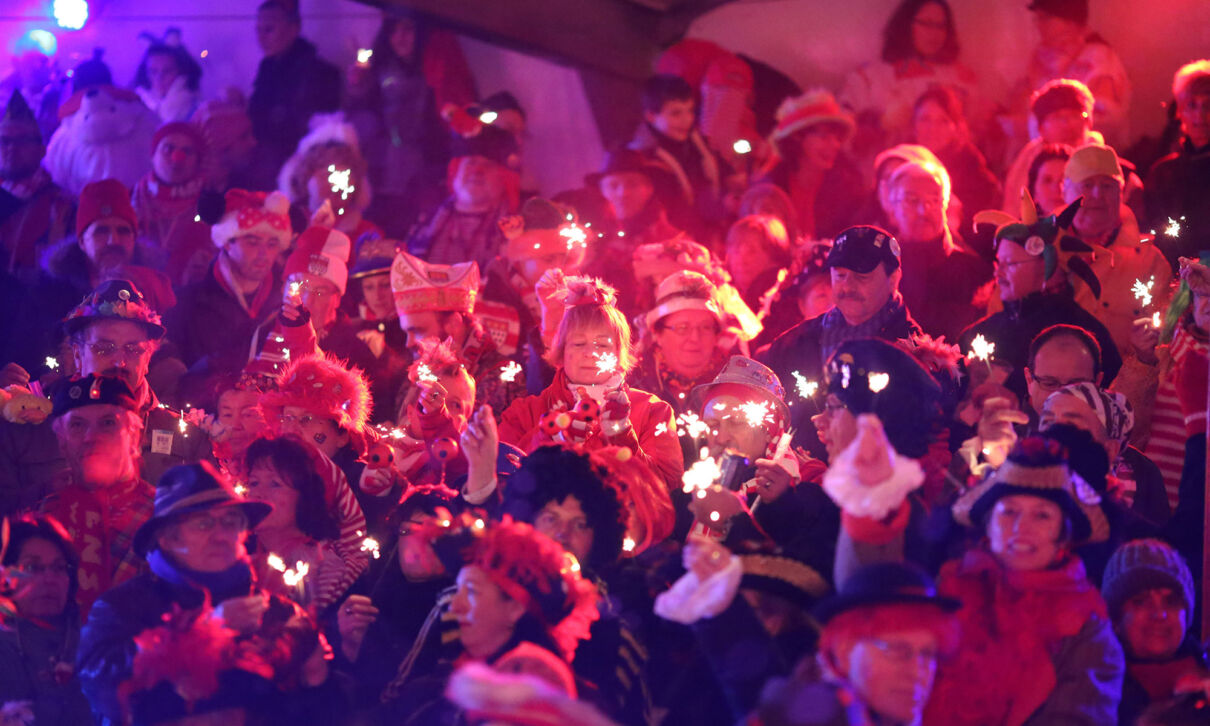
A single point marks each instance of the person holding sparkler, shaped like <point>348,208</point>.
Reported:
<point>589,402</point>
<point>194,544</point>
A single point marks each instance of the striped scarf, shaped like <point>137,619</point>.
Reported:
<point>1166,447</point>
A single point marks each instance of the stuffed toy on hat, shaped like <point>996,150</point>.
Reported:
<point>320,252</point>
<point>1047,237</point>
<point>246,212</point>
<point>104,134</point>
<point>328,387</point>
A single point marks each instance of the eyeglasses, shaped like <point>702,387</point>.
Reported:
<point>911,200</point>
<point>901,652</point>
<point>833,408</point>
<point>288,419</point>
<point>685,329</point>
<point>33,569</point>
<point>1050,383</point>
<point>997,264</point>
<point>232,520</point>
<point>106,349</point>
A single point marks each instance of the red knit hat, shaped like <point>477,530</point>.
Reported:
<point>179,127</point>
<point>320,252</point>
<point>811,108</point>
<point>101,199</point>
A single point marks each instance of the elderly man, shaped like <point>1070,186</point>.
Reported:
<point>865,268</point>
<point>1179,184</point>
<point>485,188</point>
<point>1121,255</point>
<point>112,332</point>
<point>920,197</point>
<point>97,422</point>
<point>194,545</point>
<point>34,211</point>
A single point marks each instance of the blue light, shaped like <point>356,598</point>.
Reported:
<point>40,40</point>
<point>71,14</point>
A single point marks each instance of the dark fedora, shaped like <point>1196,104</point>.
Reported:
<point>193,488</point>
<point>115,300</point>
<point>887,583</point>
<point>93,391</point>
<point>624,160</point>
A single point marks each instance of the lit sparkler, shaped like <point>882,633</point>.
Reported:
<point>742,146</point>
<point>756,413</point>
<point>52,362</point>
<point>981,349</point>
<point>1157,320</point>
<point>295,288</point>
<point>488,117</point>
<point>691,425</point>
<point>369,544</point>
<point>575,236</point>
<point>606,362</point>
<point>425,374</point>
<point>1142,291</point>
<point>292,577</point>
<point>661,429</point>
<point>364,55</point>
<point>702,474</point>
<point>628,545</point>
<point>240,489</point>
<point>509,372</point>
<point>805,388</point>
<point>879,381</point>
<point>1173,228</point>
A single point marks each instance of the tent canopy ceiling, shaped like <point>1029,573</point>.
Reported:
<point>615,37</point>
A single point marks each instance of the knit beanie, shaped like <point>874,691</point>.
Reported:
<point>1060,94</point>
<point>1144,564</point>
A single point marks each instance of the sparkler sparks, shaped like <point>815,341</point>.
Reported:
<point>691,425</point>
<point>879,381</point>
<point>1142,291</point>
<point>425,374</point>
<point>1173,228</point>
<point>1157,320</point>
<point>369,544</point>
<point>805,388</point>
<point>509,372</point>
<point>981,349</point>
<point>628,545</point>
<point>575,236</point>
<point>240,489</point>
<point>295,287</point>
<point>364,55</point>
<point>488,117</point>
<point>742,146</point>
<point>292,577</point>
<point>756,413</point>
<point>52,362</point>
<point>702,474</point>
<point>661,429</point>
<point>606,362</point>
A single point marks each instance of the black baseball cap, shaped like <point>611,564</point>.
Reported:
<point>862,248</point>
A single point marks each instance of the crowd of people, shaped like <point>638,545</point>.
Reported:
<point>885,406</point>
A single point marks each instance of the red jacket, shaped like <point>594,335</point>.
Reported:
<point>655,445</point>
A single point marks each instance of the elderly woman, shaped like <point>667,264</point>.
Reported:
<point>38,640</point>
<point>589,401</point>
<point>167,80</point>
<point>939,124</point>
<point>686,343</point>
<point>1037,646</point>
<point>514,586</point>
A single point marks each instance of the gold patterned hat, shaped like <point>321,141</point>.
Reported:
<point>420,287</point>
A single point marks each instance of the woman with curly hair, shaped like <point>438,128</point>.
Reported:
<point>167,80</point>
<point>328,166</point>
<point>589,402</point>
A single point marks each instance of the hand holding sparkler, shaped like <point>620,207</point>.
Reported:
<point>777,474</point>
<point>704,556</point>
<point>714,506</point>
<point>1144,337</point>
<point>615,414</point>
<point>480,443</point>
<point>353,620</point>
<point>242,614</point>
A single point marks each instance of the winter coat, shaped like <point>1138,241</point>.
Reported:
<point>37,664</point>
<point>107,649</point>
<point>1177,188</point>
<point>806,347</point>
<point>177,104</point>
<point>656,445</point>
<point>973,183</point>
<point>837,201</point>
<point>1150,681</point>
<point>699,172</point>
<point>208,323</point>
<point>1012,330</point>
<point>34,214</point>
<point>1127,257</point>
<point>940,285</point>
<point>288,89</point>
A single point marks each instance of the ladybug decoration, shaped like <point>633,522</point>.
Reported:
<point>444,449</point>
<point>379,456</point>
<point>587,411</point>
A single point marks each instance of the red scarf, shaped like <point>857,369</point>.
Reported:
<point>1012,623</point>
<point>102,523</point>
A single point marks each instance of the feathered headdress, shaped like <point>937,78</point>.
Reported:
<point>1049,237</point>
<point>329,387</point>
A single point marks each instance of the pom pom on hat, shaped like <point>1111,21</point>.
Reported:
<point>248,212</point>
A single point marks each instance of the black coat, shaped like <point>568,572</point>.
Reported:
<point>287,90</point>
<point>1013,328</point>
<point>209,325</point>
<point>1177,188</point>
<point>107,649</point>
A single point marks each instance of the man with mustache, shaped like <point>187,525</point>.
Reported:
<point>865,268</point>
<point>113,332</point>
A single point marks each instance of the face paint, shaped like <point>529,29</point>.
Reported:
<point>320,438</point>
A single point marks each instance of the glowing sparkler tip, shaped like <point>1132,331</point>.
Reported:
<point>981,348</point>
<point>742,146</point>
<point>628,545</point>
<point>879,381</point>
<point>425,374</point>
<point>52,362</point>
<point>364,55</point>
<point>509,372</point>
<point>1142,291</point>
<point>488,117</point>
<point>369,544</point>
<point>756,413</point>
<point>606,362</point>
<point>805,388</point>
<point>1173,228</point>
